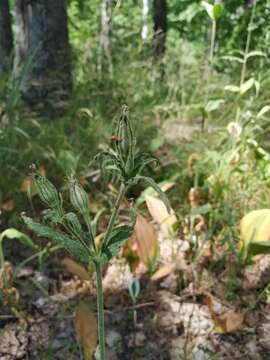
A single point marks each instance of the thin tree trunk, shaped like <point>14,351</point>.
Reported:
<point>105,36</point>
<point>160,28</point>
<point>42,56</point>
<point>145,11</point>
<point>6,40</point>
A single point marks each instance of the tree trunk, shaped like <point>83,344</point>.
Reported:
<point>6,41</point>
<point>42,55</point>
<point>160,28</point>
<point>105,36</point>
<point>145,11</point>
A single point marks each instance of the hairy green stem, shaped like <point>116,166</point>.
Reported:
<point>100,309</point>
<point>115,212</point>
<point>100,306</point>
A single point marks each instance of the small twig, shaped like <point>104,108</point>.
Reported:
<point>8,317</point>
<point>134,307</point>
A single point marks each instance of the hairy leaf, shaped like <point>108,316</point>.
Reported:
<point>75,248</point>
<point>118,236</point>
<point>73,220</point>
<point>149,181</point>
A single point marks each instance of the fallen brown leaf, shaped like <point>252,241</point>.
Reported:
<point>76,269</point>
<point>86,329</point>
<point>146,239</point>
<point>160,214</point>
<point>226,322</point>
<point>163,271</point>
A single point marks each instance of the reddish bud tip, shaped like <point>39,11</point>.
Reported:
<point>115,138</point>
<point>33,167</point>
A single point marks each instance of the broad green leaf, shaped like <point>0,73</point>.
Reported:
<point>201,210</point>
<point>209,9</point>
<point>213,105</point>
<point>118,236</point>
<point>232,58</point>
<point>246,86</point>
<point>255,53</point>
<point>263,111</point>
<point>75,248</point>
<point>217,10</point>
<point>232,88</point>
<point>15,234</point>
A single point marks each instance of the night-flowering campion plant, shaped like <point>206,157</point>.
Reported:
<point>125,163</point>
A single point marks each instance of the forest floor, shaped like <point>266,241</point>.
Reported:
<point>190,310</point>
<point>174,320</point>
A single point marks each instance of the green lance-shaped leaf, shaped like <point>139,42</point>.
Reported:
<point>117,238</point>
<point>150,182</point>
<point>141,160</point>
<point>74,222</point>
<point>18,235</point>
<point>209,9</point>
<point>259,248</point>
<point>134,288</point>
<point>75,248</point>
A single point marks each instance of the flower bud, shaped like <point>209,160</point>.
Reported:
<point>78,197</point>
<point>46,190</point>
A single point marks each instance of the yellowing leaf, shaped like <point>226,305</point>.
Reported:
<point>86,111</point>
<point>130,253</point>
<point>160,214</point>
<point>226,322</point>
<point>98,240</point>
<point>146,239</point>
<point>86,329</point>
<point>255,227</point>
<point>76,269</point>
<point>163,271</point>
